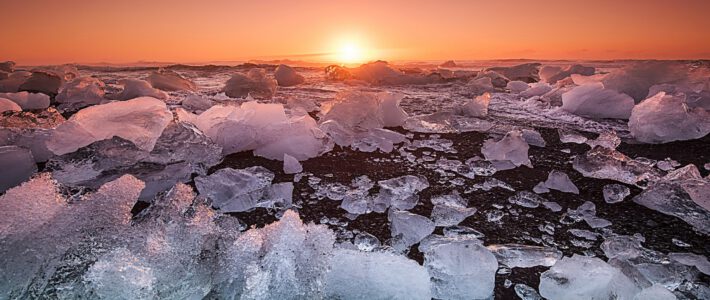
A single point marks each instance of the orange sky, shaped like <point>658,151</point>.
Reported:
<point>54,31</point>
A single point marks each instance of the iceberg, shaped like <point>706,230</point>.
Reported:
<point>287,76</point>
<point>254,84</point>
<point>665,118</point>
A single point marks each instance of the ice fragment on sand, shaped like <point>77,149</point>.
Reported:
<point>606,139</point>
<point>450,209</point>
<point>140,121</point>
<point>233,190</point>
<point>533,138</point>
<point>28,100</point>
<point>614,193</point>
<point>81,92</point>
<point>287,76</point>
<point>606,163</point>
<point>524,256</point>
<point>512,148</point>
<point>409,228</point>
<point>291,165</point>
<point>552,74</point>
<point>8,105</point>
<point>134,88</point>
<point>400,192</point>
<point>167,80</point>
<point>254,83</point>
<point>580,277</point>
<point>196,102</point>
<point>568,136</point>
<point>594,101</point>
<point>558,180</point>
<point>477,107</point>
<point>525,292</point>
<point>526,199</point>
<point>517,86</point>
<point>665,118</point>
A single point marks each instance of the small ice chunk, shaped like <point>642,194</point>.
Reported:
<point>537,89</point>
<point>461,232</point>
<point>552,74</point>
<point>517,86</point>
<point>43,81</point>
<point>287,76</point>
<point>477,107</point>
<point>614,193</point>
<point>581,277</point>
<point>665,118</point>
<point>254,84</point>
<point>8,105</point>
<point>606,163</point>
<point>291,165</point>
<point>81,92</point>
<point>526,199</point>
<point>691,259</point>
<point>195,102</point>
<point>527,72</point>
<point>366,242</point>
<point>233,190</point>
<point>375,275</point>
<point>16,166</point>
<point>168,80</point>
<point>588,212</point>
<point>450,209</point>
<point>400,192</point>
<point>134,88</point>
<point>594,101</point>
<point>655,292</point>
<point>525,292</point>
<point>525,256</point>
<point>460,267</point>
<point>606,139</point>
<point>28,100</point>
<point>140,121</point>
<point>512,148</point>
<point>540,188</point>
<point>533,138</point>
<point>551,205</point>
<point>557,180</point>
<point>568,136</point>
<point>667,164</point>
<point>409,228</point>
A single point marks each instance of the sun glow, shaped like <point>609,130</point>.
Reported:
<point>350,52</point>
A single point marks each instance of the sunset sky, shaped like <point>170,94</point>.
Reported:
<point>91,31</point>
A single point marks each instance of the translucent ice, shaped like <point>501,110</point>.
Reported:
<point>606,163</point>
<point>557,180</point>
<point>450,209</point>
<point>81,92</point>
<point>140,121</point>
<point>614,193</point>
<point>291,165</point>
<point>665,118</point>
<point>525,72</point>
<point>28,100</point>
<point>525,292</point>
<point>399,193</point>
<point>8,105</point>
<point>43,81</point>
<point>517,86</point>
<point>533,138</point>
<point>409,228</point>
<point>580,277</point>
<point>134,88</point>
<point>254,83</point>
<point>287,76</point>
<point>526,199</point>
<point>460,267</point>
<point>524,256</point>
<point>478,107</point>
<point>607,139</point>
<point>233,190</point>
<point>592,100</point>
<point>16,166</point>
<point>167,80</point>
<point>552,74</point>
<point>512,148</point>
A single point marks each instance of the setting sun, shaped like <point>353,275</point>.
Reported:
<point>350,53</point>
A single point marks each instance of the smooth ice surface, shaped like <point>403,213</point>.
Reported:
<point>399,193</point>
<point>376,275</point>
<point>460,267</point>
<point>255,84</point>
<point>196,103</point>
<point>16,166</point>
<point>167,80</point>
<point>409,228</point>
<point>517,86</point>
<point>512,148</point>
<point>233,190</point>
<point>139,120</point>
<point>450,209</point>
<point>135,88</point>
<point>287,76</point>
<point>533,138</point>
<point>525,256</point>
<point>593,101</point>
<point>263,128</point>
<point>580,277</point>
<point>477,107</point>
<point>665,118</point>
<point>291,165</point>
<point>28,100</point>
<point>558,180</point>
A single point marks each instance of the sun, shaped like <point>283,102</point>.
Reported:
<point>350,53</point>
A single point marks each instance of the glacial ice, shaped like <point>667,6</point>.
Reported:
<point>135,88</point>
<point>511,149</point>
<point>553,74</point>
<point>477,107</point>
<point>287,76</point>
<point>196,103</point>
<point>537,89</point>
<point>8,105</point>
<point>291,165</point>
<point>168,80</point>
<point>606,163</point>
<point>607,139</point>
<point>580,277</point>
<point>558,180</point>
<point>139,120</point>
<point>614,193</point>
<point>450,209</point>
<point>16,166</point>
<point>28,100</point>
<point>81,92</point>
<point>381,73</point>
<point>408,228</point>
<point>517,86</point>
<point>594,101</point>
<point>255,84</point>
<point>460,267</point>
<point>665,118</point>
<point>264,128</point>
<point>42,81</point>
<point>526,292</point>
<point>526,199</point>
<point>570,136</point>
<point>524,256</point>
<point>525,72</point>
<point>13,81</point>
<point>533,138</point>
<point>399,193</point>
<point>232,190</point>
